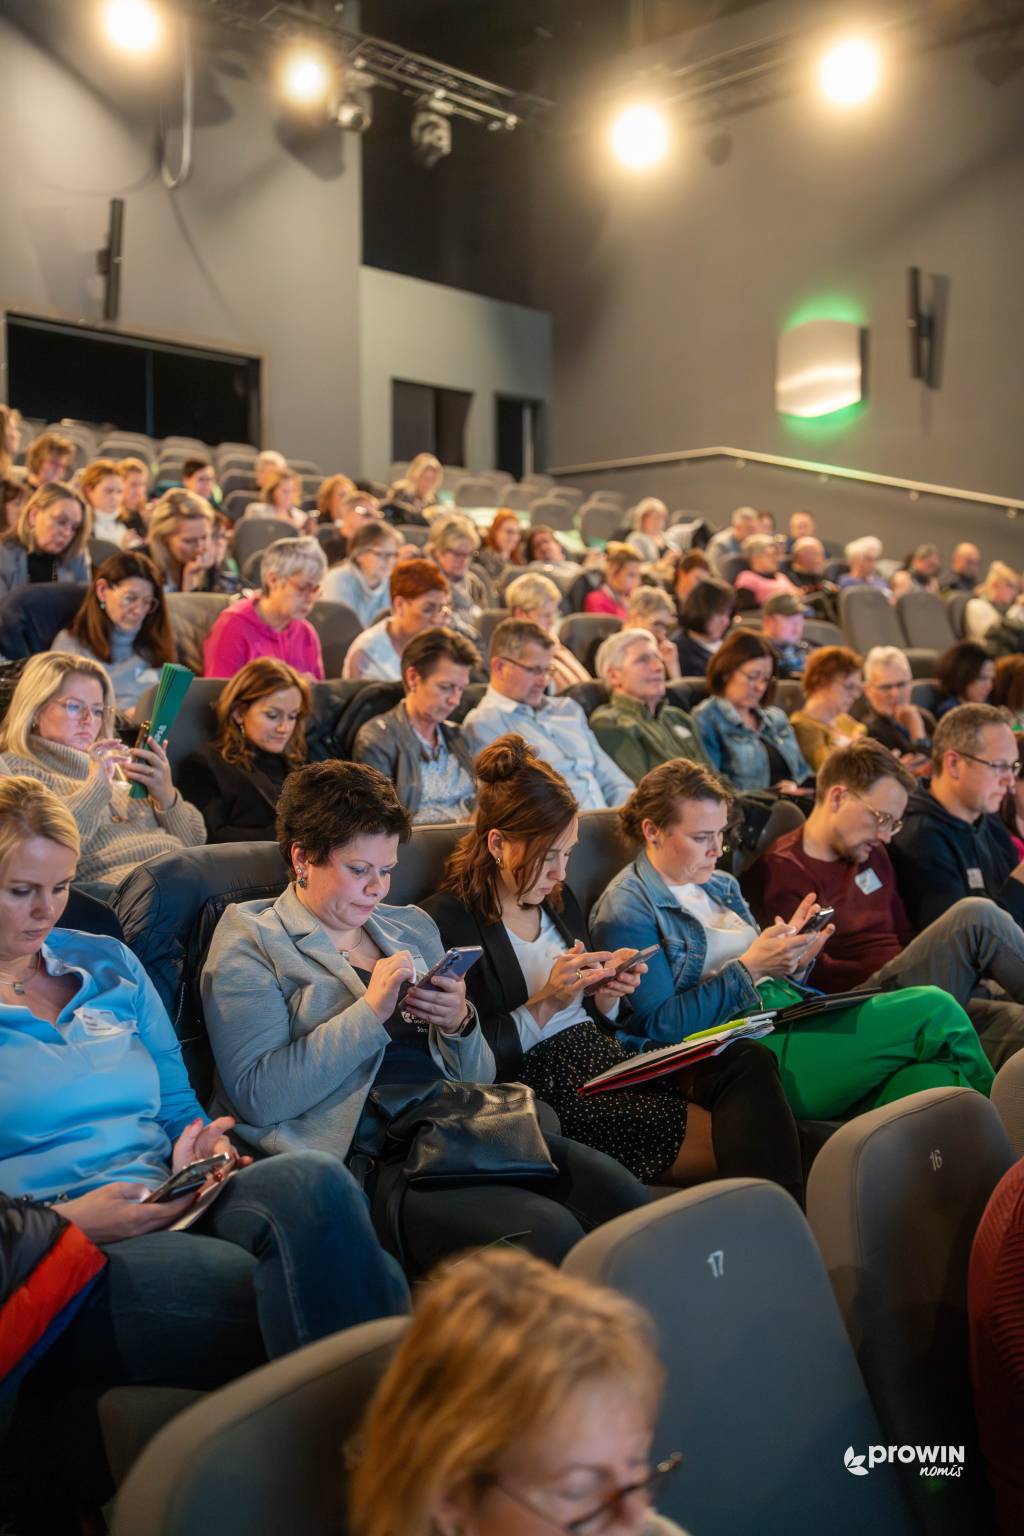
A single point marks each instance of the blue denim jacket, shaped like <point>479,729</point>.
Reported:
<point>738,753</point>
<point>672,1001</point>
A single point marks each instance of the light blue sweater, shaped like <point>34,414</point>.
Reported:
<point>101,1096</point>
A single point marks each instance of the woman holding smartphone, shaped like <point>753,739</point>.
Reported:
<point>548,1000</point>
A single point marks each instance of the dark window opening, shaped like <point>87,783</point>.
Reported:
<point>516,435</point>
<point>428,419</point>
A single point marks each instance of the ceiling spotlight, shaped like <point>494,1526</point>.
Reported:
<point>640,137</point>
<point>305,77</point>
<point>849,73</point>
<point>133,26</point>
<point>431,131</point>
<point>353,109</point>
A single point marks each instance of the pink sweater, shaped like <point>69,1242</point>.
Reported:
<point>602,601</point>
<point>764,587</point>
<point>239,635</point>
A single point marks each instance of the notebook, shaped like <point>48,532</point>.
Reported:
<point>685,1053</point>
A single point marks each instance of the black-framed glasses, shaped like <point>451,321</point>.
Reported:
<point>610,1511</point>
<point>533,671</point>
<point>1001,768</point>
<point>886,823</point>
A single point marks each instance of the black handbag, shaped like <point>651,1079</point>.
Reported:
<point>443,1135</point>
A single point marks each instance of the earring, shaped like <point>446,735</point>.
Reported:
<point>303,881</point>
<point>102,604</point>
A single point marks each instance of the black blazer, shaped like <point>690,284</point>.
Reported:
<point>496,984</point>
<point>238,804</point>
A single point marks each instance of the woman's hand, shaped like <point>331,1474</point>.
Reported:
<point>193,572</point>
<point>149,766</point>
<point>118,1211</point>
<point>571,972</point>
<point>442,1002</point>
<point>199,1140</point>
<point>108,755</point>
<point>782,949</point>
<point>622,985</point>
<point>386,980</point>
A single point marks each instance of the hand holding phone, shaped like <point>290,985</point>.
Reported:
<point>189,1179</point>
<point>638,958</point>
<point>820,920</point>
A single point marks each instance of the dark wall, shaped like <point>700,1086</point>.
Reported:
<point>258,253</point>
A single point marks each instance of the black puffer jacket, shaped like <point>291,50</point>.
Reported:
<point>47,1266</point>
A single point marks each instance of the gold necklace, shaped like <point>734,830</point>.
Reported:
<point>18,984</point>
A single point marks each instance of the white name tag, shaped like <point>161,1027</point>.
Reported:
<point>975,879</point>
<point>867,882</point>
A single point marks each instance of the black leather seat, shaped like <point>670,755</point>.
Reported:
<point>582,633</point>
<point>589,695</point>
<point>90,915</point>
<point>687,693</point>
<point>374,698</point>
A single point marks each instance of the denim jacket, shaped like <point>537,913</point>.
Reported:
<point>671,1002</point>
<point>738,753</point>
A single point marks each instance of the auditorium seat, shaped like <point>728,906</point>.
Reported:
<point>763,1392</point>
<point>32,617</point>
<point>541,481</point>
<point>730,566</point>
<point>610,498</point>
<point>477,491</point>
<point>90,915</point>
<point>588,695</point>
<point>487,622</point>
<point>926,694</point>
<point>956,604</point>
<point>413,535</point>
<point>568,493</point>
<point>601,851</point>
<point>238,480</point>
<point>564,577</point>
<point>375,697</point>
<point>471,697</point>
<point>1008,1098</point>
<point>687,692</point>
<point>192,616</point>
<point>102,549</point>
<point>517,498</point>
<point>582,633</point>
<point>236,502</point>
<point>868,619</point>
<point>549,512</point>
<point>819,632</point>
<point>924,619</point>
<point>264,1455</point>
<point>789,694</point>
<point>256,534</point>
<point>894,1199</point>
<point>598,522</point>
<point>337,626</point>
<point>196,720</point>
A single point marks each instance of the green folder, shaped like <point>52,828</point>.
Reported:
<point>174,683</point>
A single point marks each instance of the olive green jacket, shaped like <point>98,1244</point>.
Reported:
<point>638,741</point>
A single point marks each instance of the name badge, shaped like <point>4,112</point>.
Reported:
<point>867,882</point>
<point>100,1023</point>
<point>975,879</point>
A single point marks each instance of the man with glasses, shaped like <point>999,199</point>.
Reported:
<point>840,853</point>
<point>887,713</point>
<point>518,700</point>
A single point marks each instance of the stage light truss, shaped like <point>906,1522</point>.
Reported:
<point>395,68</point>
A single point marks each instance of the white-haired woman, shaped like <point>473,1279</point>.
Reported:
<point>274,622</point>
<point>647,522</point>
<point>637,728</point>
<point>862,556</point>
<point>451,546</point>
<point>651,608</point>
<point>59,729</point>
<point>537,598</point>
<point>49,542</point>
<point>995,599</point>
<point>181,545</point>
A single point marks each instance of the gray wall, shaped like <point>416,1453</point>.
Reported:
<point>427,334</point>
<point>669,291</point>
<point>259,252</point>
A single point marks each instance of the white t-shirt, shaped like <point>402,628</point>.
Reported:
<point>536,957</point>
<point>727,934</point>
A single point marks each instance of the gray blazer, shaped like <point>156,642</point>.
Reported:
<point>388,742</point>
<point>296,1045</point>
<point>14,566</point>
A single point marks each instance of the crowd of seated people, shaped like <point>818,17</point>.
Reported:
<point>314,1001</point>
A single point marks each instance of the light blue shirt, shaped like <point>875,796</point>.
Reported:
<point>99,1097</point>
<point>346,584</point>
<point>559,731</point>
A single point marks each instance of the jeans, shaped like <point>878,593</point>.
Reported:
<point>547,1217</point>
<point>973,941</point>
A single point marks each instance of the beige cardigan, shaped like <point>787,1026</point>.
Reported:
<point>117,833</point>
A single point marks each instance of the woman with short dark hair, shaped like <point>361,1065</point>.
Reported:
<point>123,623</point>
<point>703,620</point>
<point>415,744</point>
<point>316,1000</point>
<point>747,738</point>
<point>965,675</point>
<point>236,779</point>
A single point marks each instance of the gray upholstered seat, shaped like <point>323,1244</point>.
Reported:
<point>264,1455</point>
<point>551,512</point>
<point>925,621</point>
<point>763,1393</point>
<point>1008,1098</point>
<point>894,1199</point>
<point>192,616</point>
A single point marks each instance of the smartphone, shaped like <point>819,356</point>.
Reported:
<point>627,965</point>
<point>455,962</point>
<point>819,921</point>
<point>190,1178</point>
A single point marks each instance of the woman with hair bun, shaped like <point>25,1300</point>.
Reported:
<point>504,889</point>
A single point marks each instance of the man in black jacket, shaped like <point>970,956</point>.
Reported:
<point>953,843</point>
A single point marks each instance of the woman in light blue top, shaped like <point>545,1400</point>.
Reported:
<point>361,581</point>
<point>96,1110</point>
<point>747,739</point>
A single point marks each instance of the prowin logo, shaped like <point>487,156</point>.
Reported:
<point>934,1460</point>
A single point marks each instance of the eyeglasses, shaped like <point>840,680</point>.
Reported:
<point>76,710</point>
<point>434,612</point>
<point>891,687</point>
<point>755,677</point>
<point>545,671</point>
<point>610,1511</point>
<point>886,823</point>
<point>304,588</point>
<point>134,600</point>
<point>1000,768</point>
<point>65,524</point>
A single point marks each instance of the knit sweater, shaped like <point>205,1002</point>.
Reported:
<point>117,833</point>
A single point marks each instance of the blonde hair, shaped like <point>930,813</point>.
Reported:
<point>97,470</point>
<point>498,1345</point>
<point>450,529</point>
<point>133,467</point>
<point>37,685</point>
<point>617,554</point>
<point>29,809</point>
<point>174,508</point>
<point>531,591</point>
<point>10,416</point>
<point>327,489</point>
<point>42,500</point>
<point>997,571</point>
<point>421,462</point>
<point>640,511</point>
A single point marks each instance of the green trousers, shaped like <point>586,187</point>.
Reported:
<point>875,1052</point>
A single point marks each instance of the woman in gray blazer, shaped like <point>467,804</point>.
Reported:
<point>310,1001</point>
<point>50,541</point>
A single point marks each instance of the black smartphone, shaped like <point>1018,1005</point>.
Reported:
<point>627,965</point>
<point>819,921</point>
<point>190,1178</point>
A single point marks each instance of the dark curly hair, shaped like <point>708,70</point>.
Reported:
<point>323,806</point>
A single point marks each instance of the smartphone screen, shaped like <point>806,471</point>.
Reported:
<point>187,1180</point>
<point>627,965</point>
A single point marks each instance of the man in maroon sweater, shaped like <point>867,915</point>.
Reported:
<point>995,1304</point>
<point>839,854</point>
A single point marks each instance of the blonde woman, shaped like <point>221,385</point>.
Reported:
<point>407,499</point>
<point>648,520</point>
<point>181,545</point>
<point>102,486</point>
<point>330,496</point>
<point>49,543</point>
<point>451,546</point>
<point>994,600</point>
<point>59,730</point>
<point>282,494</point>
<point>521,1399</point>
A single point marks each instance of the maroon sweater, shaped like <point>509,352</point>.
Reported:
<point>871,925</point>
<point>995,1301</point>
